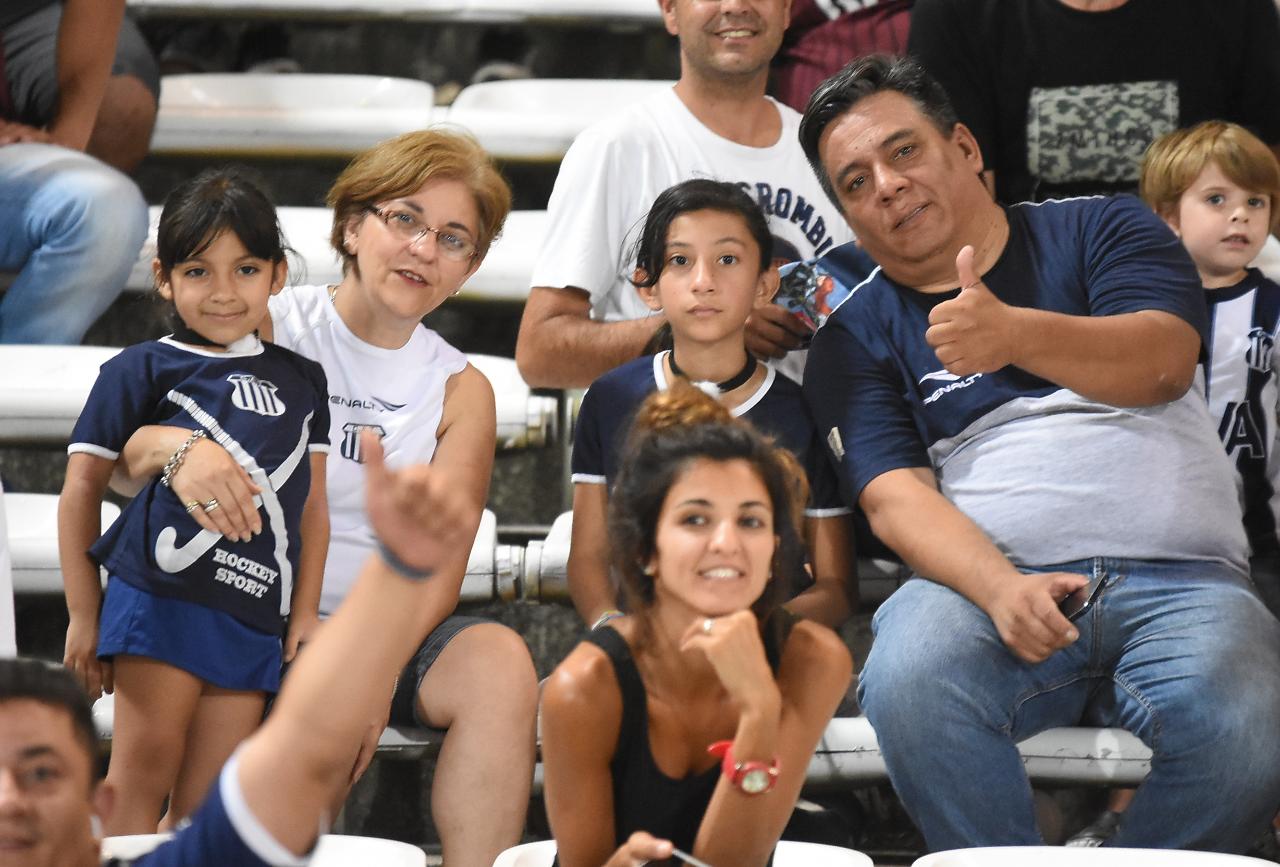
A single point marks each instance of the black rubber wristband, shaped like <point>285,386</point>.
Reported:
<point>401,568</point>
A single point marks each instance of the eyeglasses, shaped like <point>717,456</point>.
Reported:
<point>410,229</point>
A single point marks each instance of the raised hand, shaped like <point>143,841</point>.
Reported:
<point>975,332</point>
<point>733,647</point>
<point>412,511</point>
<point>1025,612</point>
<point>772,332</point>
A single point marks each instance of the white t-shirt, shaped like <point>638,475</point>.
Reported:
<point>616,168</point>
<point>397,392</point>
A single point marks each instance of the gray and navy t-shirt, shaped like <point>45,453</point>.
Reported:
<point>1050,476</point>
<point>268,407</point>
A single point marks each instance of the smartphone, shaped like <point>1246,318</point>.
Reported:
<point>1074,605</point>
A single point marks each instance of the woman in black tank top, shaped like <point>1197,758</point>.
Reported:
<point>703,527</point>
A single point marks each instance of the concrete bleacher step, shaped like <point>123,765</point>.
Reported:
<point>474,11</point>
<point>503,276</point>
<point>536,119</point>
<point>41,406</point>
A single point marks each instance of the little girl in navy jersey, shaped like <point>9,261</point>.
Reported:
<point>704,261</point>
<point>188,633</point>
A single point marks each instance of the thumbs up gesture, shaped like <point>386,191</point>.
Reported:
<point>975,332</point>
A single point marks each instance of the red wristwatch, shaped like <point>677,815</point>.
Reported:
<point>751,778</point>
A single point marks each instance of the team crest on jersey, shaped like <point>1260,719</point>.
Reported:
<point>1258,355</point>
<point>350,448</point>
<point>255,395</point>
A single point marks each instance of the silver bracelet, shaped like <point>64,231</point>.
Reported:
<point>179,456</point>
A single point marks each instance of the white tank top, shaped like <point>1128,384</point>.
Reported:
<point>399,393</point>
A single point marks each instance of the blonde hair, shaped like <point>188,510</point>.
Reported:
<point>1174,161</point>
<point>400,166</point>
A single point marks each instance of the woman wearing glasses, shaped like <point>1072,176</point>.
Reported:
<point>412,219</point>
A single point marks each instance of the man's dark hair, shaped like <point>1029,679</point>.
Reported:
<point>53,685</point>
<point>864,77</point>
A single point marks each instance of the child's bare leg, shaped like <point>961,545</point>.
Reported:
<point>154,706</point>
<point>223,718</point>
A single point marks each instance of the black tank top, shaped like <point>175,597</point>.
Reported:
<point>645,798</point>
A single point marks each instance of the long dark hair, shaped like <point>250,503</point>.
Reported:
<point>672,429</point>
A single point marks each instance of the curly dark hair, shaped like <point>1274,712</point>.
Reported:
<point>672,429</point>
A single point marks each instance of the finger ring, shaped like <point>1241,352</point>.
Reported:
<point>191,506</point>
<point>210,505</point>
<point>706,626</point>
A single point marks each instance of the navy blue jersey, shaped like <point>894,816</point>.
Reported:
<point>268,408</point>
<point>1243,393</point>
<point>777,409</point>
<point>1085,257</point>
<point>222,832</point>
<point>1049,475</point>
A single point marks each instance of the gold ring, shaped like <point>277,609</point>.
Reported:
<point>210,505</point>
<point>706,626</point>
<point>191,506</point>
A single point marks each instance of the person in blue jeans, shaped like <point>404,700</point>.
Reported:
<point>1010,399</point>
<point>75,79</point>
<point>70,228</point>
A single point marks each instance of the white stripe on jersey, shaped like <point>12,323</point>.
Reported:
<point>173,559</point>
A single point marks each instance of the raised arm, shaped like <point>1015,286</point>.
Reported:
<point>561,346</point>
<point>780,719</point>
<point>1130,359</point>
<point>940,543</point>
<point>79,526</point>
<point>293,766</point>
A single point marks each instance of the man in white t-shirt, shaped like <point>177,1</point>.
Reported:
<point>583,317</point>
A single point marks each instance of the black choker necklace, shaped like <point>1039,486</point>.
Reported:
<point>736,381</point>
<point>184,334</point>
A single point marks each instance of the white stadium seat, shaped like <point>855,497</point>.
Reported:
<point>333,850</point>
<point>263,114</point>
<point>536,119</point>
<point>44,388</point>
<point>524,419</point>
<point>42,404</point>
<point>33,540</point>
<point>621,11</point>
<point>1055,856</point>
<point>849,751</point>
<point>504,275</point>
<point>788,854</point>
<point>33,549</point>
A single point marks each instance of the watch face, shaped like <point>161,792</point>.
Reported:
<point>755,781</point>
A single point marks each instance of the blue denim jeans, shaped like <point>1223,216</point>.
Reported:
<point>71,227</point>
<point>1182,654</point>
